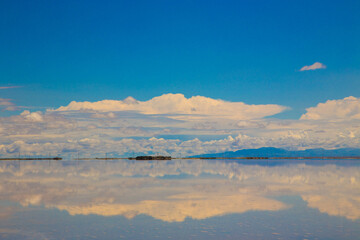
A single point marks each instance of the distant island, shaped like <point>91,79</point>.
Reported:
<point>150,158</point>
<point>271,152</point>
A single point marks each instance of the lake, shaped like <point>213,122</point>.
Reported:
<point>180,199</point>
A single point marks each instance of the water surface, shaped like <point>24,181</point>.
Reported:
<point>180,199</point>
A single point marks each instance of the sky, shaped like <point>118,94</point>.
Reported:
<point>194,71</point>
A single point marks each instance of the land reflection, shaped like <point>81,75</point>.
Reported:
<point>175,190</point>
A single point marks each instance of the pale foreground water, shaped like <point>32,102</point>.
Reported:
<point>180,199</point>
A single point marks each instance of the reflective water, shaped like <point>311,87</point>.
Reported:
<point>180,199</point>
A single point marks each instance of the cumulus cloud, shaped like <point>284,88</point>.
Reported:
<point>347,108</point>
<point>180,107</point>
<point>316,65</point>
<point>32,117</point>
<point>95,143</point>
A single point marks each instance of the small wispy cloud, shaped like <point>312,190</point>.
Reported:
<point>317,65</point>
<point>7,105</point>
<point>9,87</point>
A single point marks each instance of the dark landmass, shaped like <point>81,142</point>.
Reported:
<point>151,158</point>
<point>11,159</point>
<point>270,152</point>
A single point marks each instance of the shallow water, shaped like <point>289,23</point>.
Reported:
<point>180,199</point>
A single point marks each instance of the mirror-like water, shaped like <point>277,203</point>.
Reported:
<point>180,199</point>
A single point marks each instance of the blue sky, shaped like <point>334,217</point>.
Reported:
<point>238,51</point>
<point>246,51</point>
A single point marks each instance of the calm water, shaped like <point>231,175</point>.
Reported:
<point>180,199</point>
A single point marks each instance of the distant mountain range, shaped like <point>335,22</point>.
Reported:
<point>278,152</point>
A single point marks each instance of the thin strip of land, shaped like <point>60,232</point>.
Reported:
<point>157,158</point>
<point>39,158</point>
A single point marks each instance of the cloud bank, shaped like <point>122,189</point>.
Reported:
<point>347,108</point>
<point>178,104</point>
<point>316,65</point>
<point>165,125</point>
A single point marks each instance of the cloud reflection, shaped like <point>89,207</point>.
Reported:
<point>176,190</point>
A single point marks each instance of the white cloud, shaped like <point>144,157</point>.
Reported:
<point>95,143</point>
<point>180,107</point>
<point>347,108</point>
<point>32,117</point>
<point>333,124</point>
<point>316,65</point>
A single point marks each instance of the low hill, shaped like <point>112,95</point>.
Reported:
<point>278,152</point>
